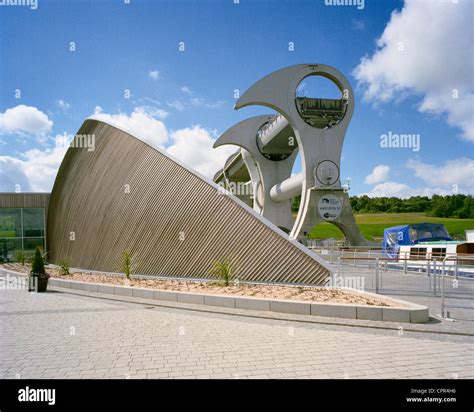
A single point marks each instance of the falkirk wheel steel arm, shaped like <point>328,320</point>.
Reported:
<point>270,172</point>
<point>320,144</point>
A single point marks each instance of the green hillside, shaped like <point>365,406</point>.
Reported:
<point>372,225</point>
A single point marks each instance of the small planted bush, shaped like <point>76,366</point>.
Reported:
<point>222,270</point>
<point>20,257</point>
<point>64,268</point>
<point>37,266</point>
<point>127,264</point>
<point>44,255</point>
<point>38,276</point>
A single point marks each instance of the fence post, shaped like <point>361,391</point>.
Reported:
<point>405,264</point>
<point>434,276</point>
<point>377,276</point>
<point>442,292</point>
<point>383,267</point>
<point>338,271</point>
<point>428,272</point>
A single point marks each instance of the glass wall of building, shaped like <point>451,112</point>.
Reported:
<point>21,229</point>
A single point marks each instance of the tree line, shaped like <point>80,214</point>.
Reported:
<point>455,206</point>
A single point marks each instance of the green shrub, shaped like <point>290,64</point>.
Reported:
<point>44,254</point>
<point>127,264</point>
<point>64,268</point>
<point>222,270</point>
<point>37,266</point>
<point>20,257</point>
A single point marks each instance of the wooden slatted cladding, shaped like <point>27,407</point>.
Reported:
<point>126,195</point>
<point>26,200</point>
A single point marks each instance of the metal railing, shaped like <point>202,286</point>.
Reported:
<point>366,256</point>
<point>445,277</point>
<point>455,281</point>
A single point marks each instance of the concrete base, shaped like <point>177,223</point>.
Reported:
<point>345,222</point>
<point>407,313</point>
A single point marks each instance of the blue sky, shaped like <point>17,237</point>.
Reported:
<point>184,99</point>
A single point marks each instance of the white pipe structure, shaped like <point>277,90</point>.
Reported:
<point>287,189</point>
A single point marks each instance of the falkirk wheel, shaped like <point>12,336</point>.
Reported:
<point>313,127</point>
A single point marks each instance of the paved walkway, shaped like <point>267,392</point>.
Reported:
<point>63,335</point>
<point>418,288</point>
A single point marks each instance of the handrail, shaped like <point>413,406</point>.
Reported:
<point>443,273</point>
<point>399,259</point>
<point>456,258</point>
<point>371,249</point>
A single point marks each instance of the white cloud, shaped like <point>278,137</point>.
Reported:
<point>454,176</point>
<point>141,122</point>
<point>193,146</point>
<point>401,190</point>
<point>202,102</point>
<point>358,24</point>
<point>197,101</point>
<point>12,174</point>
<point>149,99</point>
<point>185,90</point>
<point>426,50</point>
<point>34,170</point>
<point>64,105</point>
<point>153,111</point>
<point>154,74</point>
<point>177,104</point>
<point>193,101</point>
<point>379,174</point>
<point>302,89</point>
<point>25,119</point>
<point>458,172</point>
<point>214,105</point>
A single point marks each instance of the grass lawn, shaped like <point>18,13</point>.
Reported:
<point>372,225</point>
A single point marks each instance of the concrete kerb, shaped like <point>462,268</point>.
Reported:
<point>334,310</point>
<point>407,312</point>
